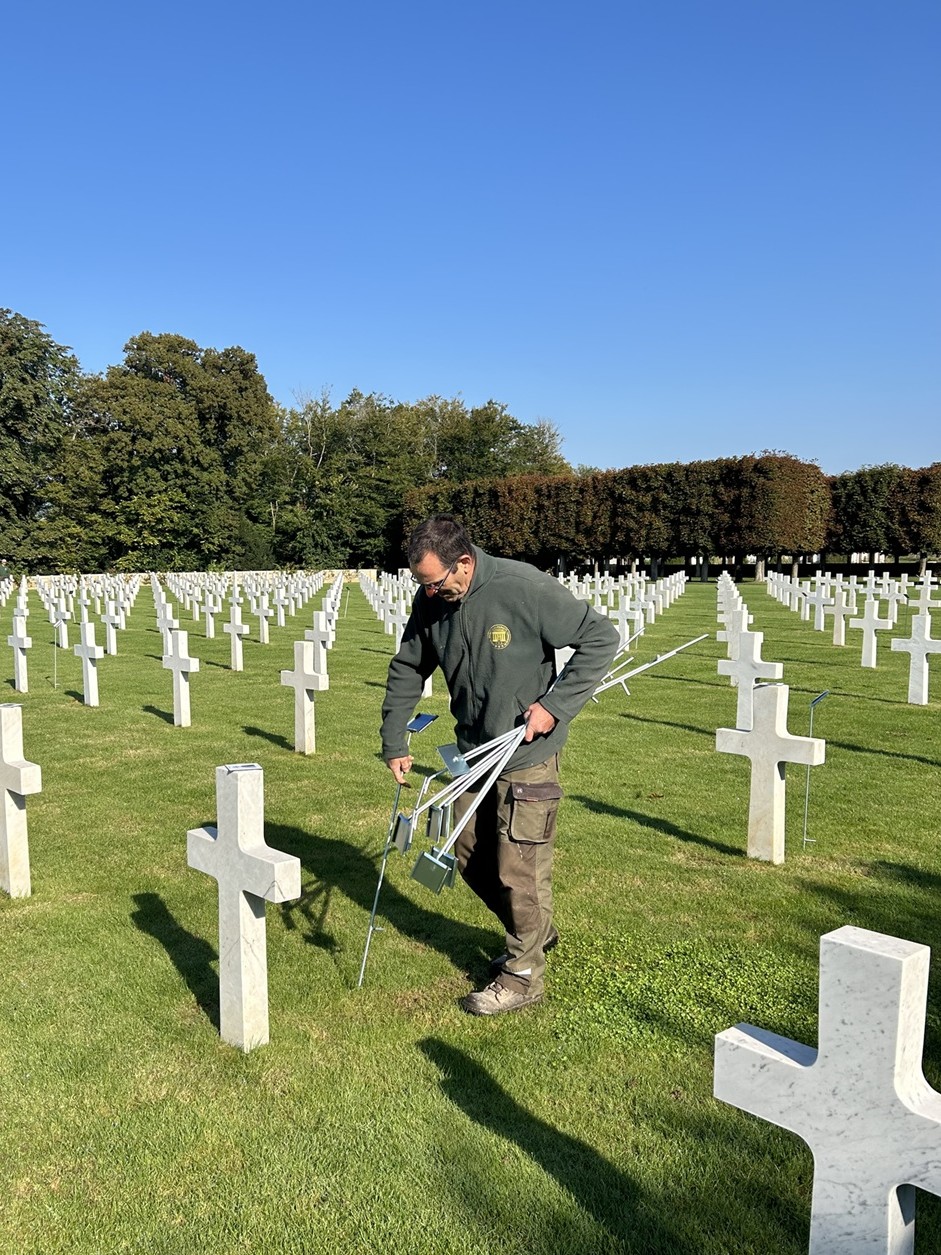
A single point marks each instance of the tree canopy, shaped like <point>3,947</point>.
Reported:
<point>178,457</point>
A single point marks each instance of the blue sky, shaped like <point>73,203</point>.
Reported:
<point>677,230</point>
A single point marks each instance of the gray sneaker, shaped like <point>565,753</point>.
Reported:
<point>496,965</point>
<point>496,998</point>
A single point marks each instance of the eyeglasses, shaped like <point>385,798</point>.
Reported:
<point>435,587</point>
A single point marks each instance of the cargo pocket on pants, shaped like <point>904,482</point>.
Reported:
<point>534,811</point>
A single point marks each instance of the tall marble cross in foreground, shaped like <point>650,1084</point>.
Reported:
<point>769,746</point>
<point>860,1100</point>
<point>249,874</point>
<point>18,779</point>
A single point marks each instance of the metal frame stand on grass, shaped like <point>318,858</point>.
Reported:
<point>618,676</point>
<point>418,724</point>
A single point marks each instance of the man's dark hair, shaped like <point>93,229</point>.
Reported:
<point>441,535</point>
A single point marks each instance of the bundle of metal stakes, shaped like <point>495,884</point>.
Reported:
<point>436,868</point>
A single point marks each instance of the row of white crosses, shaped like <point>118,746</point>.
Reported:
<point>829,595</point>
<point>391,599</point>
<point>68,597</point>
<point>269,594</point>
<point>57,599</point>
<point>631,615</point>
<point>19,778</point>
<point>760,734</point>
<point>177,659</point>
<point>310,674</point>
<point>632,601</point>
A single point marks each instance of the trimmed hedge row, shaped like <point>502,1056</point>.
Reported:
<point>768,505</point>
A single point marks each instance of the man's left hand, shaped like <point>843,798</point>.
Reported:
<point>538,721</point>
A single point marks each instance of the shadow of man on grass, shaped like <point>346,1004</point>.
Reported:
<point>330,864</point>
<point>608,1195</point>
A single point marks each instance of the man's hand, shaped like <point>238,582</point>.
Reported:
<point>538,721</point>
<point>399,766</point>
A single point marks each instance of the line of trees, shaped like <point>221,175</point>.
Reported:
<point>179,458</point>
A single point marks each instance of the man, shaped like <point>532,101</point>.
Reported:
<point>493,626</point>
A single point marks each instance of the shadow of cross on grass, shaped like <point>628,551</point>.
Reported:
<point>192,956</point>
<point>617,1203</point>
<point>334,864</point>
<point>650,821</point>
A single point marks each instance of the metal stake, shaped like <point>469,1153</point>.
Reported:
<point>811,840</point>
<point>418,724</point>
<point>55,656</point>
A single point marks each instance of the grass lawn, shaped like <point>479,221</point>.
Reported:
<point>383,1119</point>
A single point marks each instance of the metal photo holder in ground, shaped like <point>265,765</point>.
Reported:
<point>435,869</point>
<point>417,724</point>
<point>618,676</point>
<point>813,705</point>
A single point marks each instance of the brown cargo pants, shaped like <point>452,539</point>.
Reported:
<point>505,855</point>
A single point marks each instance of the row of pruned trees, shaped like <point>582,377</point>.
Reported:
<point>770,505</point>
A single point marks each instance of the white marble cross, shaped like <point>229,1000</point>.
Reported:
<point>319,634</point>
<point>306,680</point>
<point>923,602</point>
<point>112,621</point>
<point>918,647</point>
<point>860,1100</point>
<point>870,624</point>
<point>769,746</point>
<point>166,623</point>
<point>821,600</point>
<point>83,601</point>
<point>895,596</point>
<point>249,873</point>
<point>89,653</point>
<point>236,629</point>
<point>209,615</point>
<point>842,608</point>
<point>280,604</point>
<point>736,622</point>
<point>60,619</point>
<point>18,779</point>
<point>182,667</point>
<point>622,622</point>
<point>20,642</point>
<point>744,669</point>
<point>264,613</point>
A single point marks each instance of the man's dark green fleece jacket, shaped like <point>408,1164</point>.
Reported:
<point>496,647</point>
